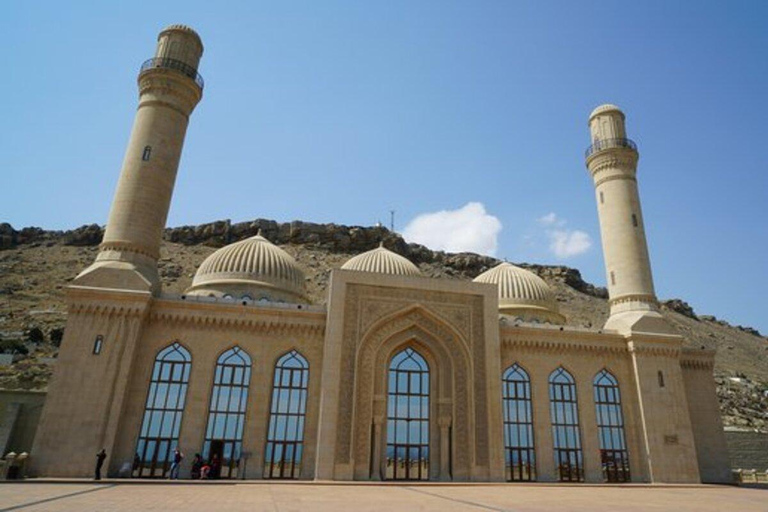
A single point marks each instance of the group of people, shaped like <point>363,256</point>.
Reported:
<point>201,470</point>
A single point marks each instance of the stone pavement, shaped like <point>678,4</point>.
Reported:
<point>268,496</point>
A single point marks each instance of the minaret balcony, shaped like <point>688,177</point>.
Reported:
<point>177,65</point>
<point>602,145</point>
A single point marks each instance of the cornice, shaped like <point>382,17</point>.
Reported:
<point>105,301</point>
<point>646,344</point>
<point>561,340</point>
<point>698,359</point>
<point>261,319</point>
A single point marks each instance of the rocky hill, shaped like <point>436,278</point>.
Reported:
<point>36,265</point>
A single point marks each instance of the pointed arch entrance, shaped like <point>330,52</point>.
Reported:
<point>447,442</point>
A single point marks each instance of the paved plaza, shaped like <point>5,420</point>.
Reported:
<point>284,497</point>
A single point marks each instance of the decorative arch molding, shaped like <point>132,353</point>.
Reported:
<point>417,314</point>
<point>451,404</point>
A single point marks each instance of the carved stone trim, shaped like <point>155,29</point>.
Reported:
<point>698,359</point>
<point>614,177</point>
<point>561,346</point>
<point>621,160</point>
<point>121,246</point>
<point>640,297</point>
<point>255,323</point>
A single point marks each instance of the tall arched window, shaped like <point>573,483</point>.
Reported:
<point>518,425</point>
<point>610,428</point>
<point>226,414</point>
<point>408,417</point>
<point>159,434</point>
<point>285,436</point>
<point>564,411</point>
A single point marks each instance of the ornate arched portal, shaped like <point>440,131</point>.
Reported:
<point>451,446</point>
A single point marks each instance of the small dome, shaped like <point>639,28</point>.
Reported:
<point>252,268</point>
<point>382,261</point>
<point>522,293</point>
<point>603,109</point>
<point>178,27</point>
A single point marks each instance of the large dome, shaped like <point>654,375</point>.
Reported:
<point>253,268</point>
<point>382,261</point>
<point>522,294</point>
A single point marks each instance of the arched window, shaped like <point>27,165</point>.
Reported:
<point>610,428</point>
<point>518,425</point>
<point>564,411</point>
<point>226,414</point>
<point>159,434</point>
<point>408,417</point>
<point>147,153</point>
<point>285,437</point>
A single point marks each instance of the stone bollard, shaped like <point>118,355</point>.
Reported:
<point>21,465</point>
<point>9,466</point>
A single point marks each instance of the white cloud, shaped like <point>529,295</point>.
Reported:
<point>467,229</point>
<point>551,219</point>
<point>565,244</point>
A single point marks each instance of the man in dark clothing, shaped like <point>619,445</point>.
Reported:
<point>100,462</point>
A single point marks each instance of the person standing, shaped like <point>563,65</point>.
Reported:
<point>176,464</point>
<point>197,467</point>
<point>100,462</point>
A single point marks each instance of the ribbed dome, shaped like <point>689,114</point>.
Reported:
<point>522,293</point>
<point>382,261</point>
<point>249,266</point>
<point>602,109</point>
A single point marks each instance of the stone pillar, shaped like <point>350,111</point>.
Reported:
<point>669,450</point>
<point>612,162</point>
<point>542,424</point>
<point>444,422</point>
<point>194,420</point>
<point>378,440</point>
<point>590,444</point>
<point>169,90</point>
<point>86,397</point>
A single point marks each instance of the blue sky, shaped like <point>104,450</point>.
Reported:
<point>341,111</point>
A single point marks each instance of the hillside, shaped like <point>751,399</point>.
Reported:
<point>36,265</point>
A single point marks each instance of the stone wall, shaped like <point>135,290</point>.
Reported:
<point>748,449</point>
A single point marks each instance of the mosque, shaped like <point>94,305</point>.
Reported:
<point>396,376</point>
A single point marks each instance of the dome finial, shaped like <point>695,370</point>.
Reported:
<point>258,233</point>
<point>382,261</point>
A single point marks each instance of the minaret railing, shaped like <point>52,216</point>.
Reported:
<point>182,67</point>
<point>600,145</point>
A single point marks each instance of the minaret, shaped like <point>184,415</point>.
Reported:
<point>169,89</point>
<point>612,162</point>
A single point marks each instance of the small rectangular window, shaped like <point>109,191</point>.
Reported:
<point>97,343</point>
<point>602,198</point>
<point>661,379</point>
<point>613,278</point>
<point>147,153</point>
<point>634,220</point>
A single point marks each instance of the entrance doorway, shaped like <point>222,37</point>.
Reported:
<point>408,417</point>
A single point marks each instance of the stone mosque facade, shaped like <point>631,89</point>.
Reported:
<point>396,376</point>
